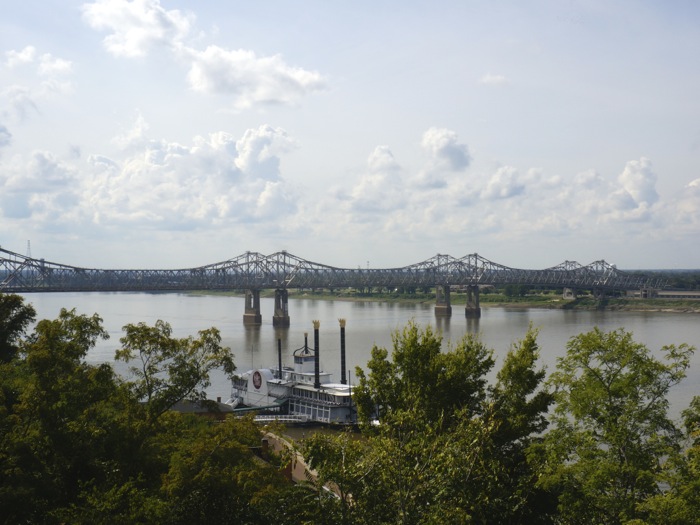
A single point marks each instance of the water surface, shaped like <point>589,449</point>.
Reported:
<point>369,323</point>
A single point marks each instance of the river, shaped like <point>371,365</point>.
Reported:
<point>368,323</point>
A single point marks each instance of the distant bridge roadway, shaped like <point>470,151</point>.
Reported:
<point>282,271</point>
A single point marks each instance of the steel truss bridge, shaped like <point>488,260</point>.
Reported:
<point>282,271</point>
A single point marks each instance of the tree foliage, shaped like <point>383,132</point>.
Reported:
<point>421,379</point>
<point>64,422</point>
<point>445,438</point>
<point>170,369</point>
<point>612,429</point>
<point>78,445</point>
<point>680,504</point>
<point>15,318</point>
<point>445,448</point>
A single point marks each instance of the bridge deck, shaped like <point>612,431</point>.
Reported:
<point>282,270</point>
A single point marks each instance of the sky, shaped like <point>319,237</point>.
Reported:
<point>173,134</point>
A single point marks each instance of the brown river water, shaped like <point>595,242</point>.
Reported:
<point>369,323</point>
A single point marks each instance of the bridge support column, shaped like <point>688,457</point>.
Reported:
<point>472,309</point>
<point>569,293</point>
<point>280,318</point>
<point>443,307</point>
<point>252,315</point>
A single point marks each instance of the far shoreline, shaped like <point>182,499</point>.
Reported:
<point>489,300</point>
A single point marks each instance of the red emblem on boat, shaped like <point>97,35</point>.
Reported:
<point>257,380</point>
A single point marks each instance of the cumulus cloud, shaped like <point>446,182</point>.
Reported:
<point>504,184</point>
<point>217,180</point>
<point>631,198</point>
<point>20,100</point>
<point>491,79</point>
<point>589,179</point>
<point>684,212</point>
<point>5,136</point>
<point>44,188</point>
<point>17,58</point>
<point>445,148</point>
<point>380,189</point>
<point>51,77</point>
<point>50,66</point>
<point>639,181</point>
<point>135,137</point>
<point>250,79</point>
<point>138,26</point>
<point>508,203</point>
<point>445,154</point>
<point>259,149</point>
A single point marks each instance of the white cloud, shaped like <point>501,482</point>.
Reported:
<point>631,198</point>
<point>18,58</point>
<point>5,136</point>
<point>684,213</point>
<point>493,80</point>
<point>50,77</point>
<point>639,181</point>
<point>445,148</point>
<point>504,184</point>
<point>136,27</point>
<point>380,189</point>
<point>274,201</point>
<point>250,79</point>
<point>50,66</point>
<point>258,151</point>
<point>43,188</point>
<point>20,101</point>
<point>589,179</point>
<point>217,181</point>
<point>134,137</point>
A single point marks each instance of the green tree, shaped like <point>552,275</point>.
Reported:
<point>77,445</point>
<point>63,426</point>
<point>612,428</point>
<point>520,406</point>
<point>446,449</point>
<point>338,461</point>
<point>422,379</point>
<point>214,478</point>
<point>680,504</point>
<point>15,318</point>
<point>170,369</point>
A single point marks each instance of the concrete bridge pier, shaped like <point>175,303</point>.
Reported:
<point>443,307</point>
<point>472,309</point>
<point>280,318</point>
<point>569,293</point>
<point>252,315</point>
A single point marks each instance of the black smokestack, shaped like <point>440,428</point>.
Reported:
<point>317,358</point>
<point>343,381</point>
<point>279,358</point>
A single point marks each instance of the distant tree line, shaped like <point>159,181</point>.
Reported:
<point>438,442</point>
<point>680,279</point>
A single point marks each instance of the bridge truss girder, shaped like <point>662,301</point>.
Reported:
<point>282,270</point>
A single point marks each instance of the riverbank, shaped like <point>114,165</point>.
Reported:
<point>545,300</point>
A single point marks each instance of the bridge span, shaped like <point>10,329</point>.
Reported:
<point>252,272</point>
